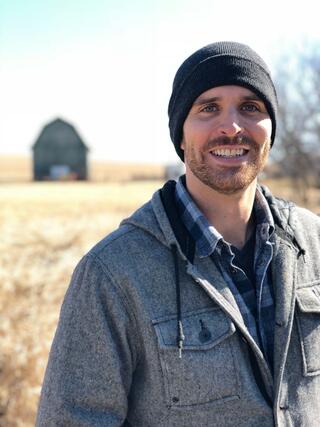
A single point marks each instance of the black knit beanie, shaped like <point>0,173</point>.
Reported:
<point>218,64</point>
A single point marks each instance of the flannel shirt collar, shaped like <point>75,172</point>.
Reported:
<point>205,235</point>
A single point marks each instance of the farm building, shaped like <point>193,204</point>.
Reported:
<point>59,153</point>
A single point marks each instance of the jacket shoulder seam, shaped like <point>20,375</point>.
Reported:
<point>108,241</point>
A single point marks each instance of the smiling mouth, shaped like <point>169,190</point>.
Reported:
<point>229,152</point>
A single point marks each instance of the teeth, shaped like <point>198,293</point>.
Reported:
<point>227,152</point>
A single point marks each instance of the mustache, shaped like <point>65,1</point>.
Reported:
<point>226,140</point>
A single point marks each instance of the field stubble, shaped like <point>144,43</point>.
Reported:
<point>45,229</point>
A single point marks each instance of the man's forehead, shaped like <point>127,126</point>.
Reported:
<point>227,91</point>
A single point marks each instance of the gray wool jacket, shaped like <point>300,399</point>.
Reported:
<point>115,359</point>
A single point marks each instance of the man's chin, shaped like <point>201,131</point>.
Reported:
<point>227,185</point>
<point>229,190</point>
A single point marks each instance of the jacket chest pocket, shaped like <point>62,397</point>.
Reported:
<point>206,371</point>
<point>308,319</point>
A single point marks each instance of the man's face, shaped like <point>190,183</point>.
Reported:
<point>226,139</point>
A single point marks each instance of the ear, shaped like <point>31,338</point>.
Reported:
<point>182,144</point>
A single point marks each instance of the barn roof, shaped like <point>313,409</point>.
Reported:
<point>59,133</point>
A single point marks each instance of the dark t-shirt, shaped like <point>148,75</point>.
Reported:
<point>244,258</point>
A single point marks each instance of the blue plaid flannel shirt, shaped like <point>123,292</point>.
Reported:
<point>255,300</point>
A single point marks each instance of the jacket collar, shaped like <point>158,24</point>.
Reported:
<point>286,226</point>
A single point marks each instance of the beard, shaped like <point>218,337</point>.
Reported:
<point>227,180</point>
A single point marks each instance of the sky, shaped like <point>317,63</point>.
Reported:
<point>107,66</point>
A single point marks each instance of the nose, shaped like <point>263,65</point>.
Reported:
<point>230,124</point>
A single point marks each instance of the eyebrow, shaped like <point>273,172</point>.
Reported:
<point>204,100</point>
<point>201,100</point>
<point>252,97</point>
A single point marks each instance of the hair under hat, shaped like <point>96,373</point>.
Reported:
<point>218,64</point>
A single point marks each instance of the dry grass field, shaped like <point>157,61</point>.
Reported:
<point>18,168</point>
<point>45,228</point>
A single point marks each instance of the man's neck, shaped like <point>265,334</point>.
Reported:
<point>230,214</point>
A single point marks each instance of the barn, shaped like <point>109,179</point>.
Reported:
<point>59,153</point>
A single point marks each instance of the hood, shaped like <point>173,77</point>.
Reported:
<point>161,219</point>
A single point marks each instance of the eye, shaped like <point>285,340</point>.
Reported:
<point>210,108</point>
<point>250,108</point>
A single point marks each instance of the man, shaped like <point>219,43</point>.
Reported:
<point>203,308</point>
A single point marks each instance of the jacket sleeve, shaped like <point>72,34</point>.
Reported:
<point>93,354</point>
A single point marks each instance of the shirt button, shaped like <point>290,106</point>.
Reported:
<point>233,270</point>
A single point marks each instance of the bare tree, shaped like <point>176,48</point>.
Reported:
<point>298,147</point>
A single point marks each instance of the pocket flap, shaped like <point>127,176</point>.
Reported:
<point>203,329</point>
<point>308,299</point>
